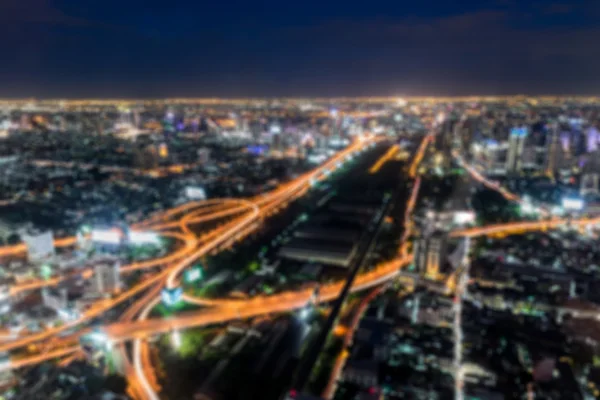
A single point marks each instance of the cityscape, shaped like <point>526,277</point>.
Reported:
<point>308,200</point>
<point>300,248</point>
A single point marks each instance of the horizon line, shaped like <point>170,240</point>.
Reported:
<point>300,98</point>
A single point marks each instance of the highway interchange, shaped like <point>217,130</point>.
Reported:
<point>238,218</point>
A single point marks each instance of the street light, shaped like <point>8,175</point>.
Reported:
<point>176,339</point>
<point>304,313</point>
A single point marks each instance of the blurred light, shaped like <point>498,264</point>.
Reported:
<point>136,237</point>
<point>519,131</point>
<point>111,236</point>
<point>170,297</point>
<point>194,274</point>
<point>46,271</point>
<point>304,313</point>
<point>528,208</point>
<point>176,339</point>
<point>572,204</point>
<point>557,210</point>
<point>163,150</point>
<point>464,217</point>
<point>195,193</point>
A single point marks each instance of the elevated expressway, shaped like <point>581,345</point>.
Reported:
<point>250,212</point>
<point>227,310</point>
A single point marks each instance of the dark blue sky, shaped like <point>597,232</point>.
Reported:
<point>151,48</point>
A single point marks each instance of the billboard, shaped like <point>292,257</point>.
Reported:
<point>108,236</point>
<point>572,204</point>
<point>519,131</point>
<point>137,237</point>
<point>39,246</point>
<point>171,297</point>
<point>316,158</point>
<point>193,274</point>
<point>195,193</point>
<point>464,217</point>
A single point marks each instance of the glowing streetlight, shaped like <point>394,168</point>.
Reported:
<point>304,313</point>
<point>176,339</point>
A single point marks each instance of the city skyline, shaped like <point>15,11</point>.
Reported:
<point>313,249</point>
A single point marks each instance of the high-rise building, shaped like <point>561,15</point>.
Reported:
<point>516,143</point>
<point>203,155</point>
<point>56,299</point>
<point>589,183</point>
<point>106,277</point>
<point>553,148</point>
<point>430,252</point>
<point>420,254</point>
<point>40,246</point>
<point>436,250</point>
<point>592,139</point>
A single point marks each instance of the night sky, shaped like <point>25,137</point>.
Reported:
<point>151,48</point>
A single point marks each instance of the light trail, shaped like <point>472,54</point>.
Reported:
<point>384,159</point>
<point>463,278</point>
<point>87,273</point>
<point>522,227</point>
<point>271,202</point>
<point>338,365</point>
<point>290,300</point>
<point>135,388</point>
<point>102,306</point>
<point>412,171</point>
<point>227,311</point>
<point>188,238</point>
<point>142,366</point>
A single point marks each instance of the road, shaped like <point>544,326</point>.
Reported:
<point>227,310</point>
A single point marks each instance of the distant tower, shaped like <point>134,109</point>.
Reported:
<point>572,289</point>
<point>435,253</point>
<point>516,143</point>
<point>163,150</point>
<point>136,118</point>
<point>429,254</point>
<point>552,151</point>
<point>420,255</point>
<point>414,318</point>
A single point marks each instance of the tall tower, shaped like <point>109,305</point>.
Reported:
<point>552,151</point>
<point>435,254</point>
<point>516,143</point>
<point>429,253</point>
<point>420,255</point>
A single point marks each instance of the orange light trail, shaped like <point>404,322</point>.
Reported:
<point>384,159</point>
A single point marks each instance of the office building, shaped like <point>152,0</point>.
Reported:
<point>106,277</point>
<point>203,155</point>
<point>589,183</point>
<point>430,253</point>
<point>516,143</point>
<point>56,299</point>
<point>40,246</point>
